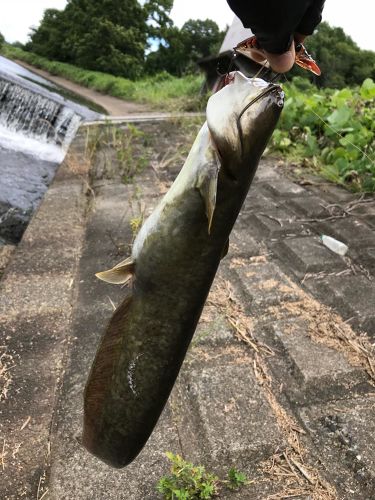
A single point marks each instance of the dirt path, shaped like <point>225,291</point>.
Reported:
<point>113,106</point>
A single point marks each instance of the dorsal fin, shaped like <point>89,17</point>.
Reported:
<point>120,274</point>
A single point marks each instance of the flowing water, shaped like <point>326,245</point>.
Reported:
<point>36,127</point>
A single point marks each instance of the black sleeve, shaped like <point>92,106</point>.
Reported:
<point>274,21</point>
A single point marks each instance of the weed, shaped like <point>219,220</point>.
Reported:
<point>92,141</point>
<point>187,481</point>
<point>236,479</point>
<point>135,225</point>
<point>331,131</point>
<point>192,482</point>
<point>131,151</point>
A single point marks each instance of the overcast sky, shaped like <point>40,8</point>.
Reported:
<point>357,18</point>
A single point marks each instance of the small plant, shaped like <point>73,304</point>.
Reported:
<point>131,151</point>
<point>237,479</point>
<point>187,481</point>
<point>192,482</point>
<point>136,224</point>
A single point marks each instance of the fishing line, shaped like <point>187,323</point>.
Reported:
<point>338,133</point>
<point>274,78</point>
<point>259,72</point>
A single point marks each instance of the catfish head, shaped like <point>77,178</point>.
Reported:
<point>241,118</point>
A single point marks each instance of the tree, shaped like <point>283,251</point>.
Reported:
<point>103,35</point>
<point>111,48</point>
<point>48,40</point>
<point>341,60</point>
<point>170,56</point>
<point>158,20</point>
<point>2,40</point>
<point>179,50</point>
<point>201,38</point>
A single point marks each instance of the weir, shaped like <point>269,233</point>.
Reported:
<point>36,116</point>
<point>37,126</point>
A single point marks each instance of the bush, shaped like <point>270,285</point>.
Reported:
<point>332,130</point>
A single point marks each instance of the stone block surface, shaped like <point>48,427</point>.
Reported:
<point>308,207</point>
<point>265,285</point>
<point>321,372</point>
<point>348,230</point>
<point>357,294</point>
<point>267,171</point>
<point>32,349</point>
<point>344,434</point>
<point>44,293</point>
<point>243,243</point>
<point>257,201</point>
<point>6,252</point>
<point>366,256</point>
<point>213,329</point>
<point>309,255</point>
<point>235,419</point>
<point>333,194</point>
<point>284,187</point>
<point>273,224</point>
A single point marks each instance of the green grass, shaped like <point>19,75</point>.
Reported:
<point>162,91</point>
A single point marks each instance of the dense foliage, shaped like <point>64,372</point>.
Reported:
<point>179,50</point>
<point>114,36</point>
<point>2,40</point>
<point>332,131</point>
<point>342,62</point>
<point>105,35</point>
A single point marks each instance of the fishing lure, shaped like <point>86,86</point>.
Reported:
<point>303,58</point>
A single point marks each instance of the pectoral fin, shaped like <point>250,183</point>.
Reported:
<point>120,274</point>
<point>207,183</point>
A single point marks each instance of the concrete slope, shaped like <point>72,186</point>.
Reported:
<point>278,381</point>
<point>36,301</point>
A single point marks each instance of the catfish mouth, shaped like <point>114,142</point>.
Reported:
<point>272,88</point>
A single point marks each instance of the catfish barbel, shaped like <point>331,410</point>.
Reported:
<point>174,260</point>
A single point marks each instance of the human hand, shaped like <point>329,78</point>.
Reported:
<point>278,26</point>
<point>280,63</point>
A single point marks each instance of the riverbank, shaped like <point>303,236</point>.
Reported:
<point>112,105</point>
<point>159,92</point>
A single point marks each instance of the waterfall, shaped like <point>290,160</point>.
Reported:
<point>36,116</point>
<point>37,126</point>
